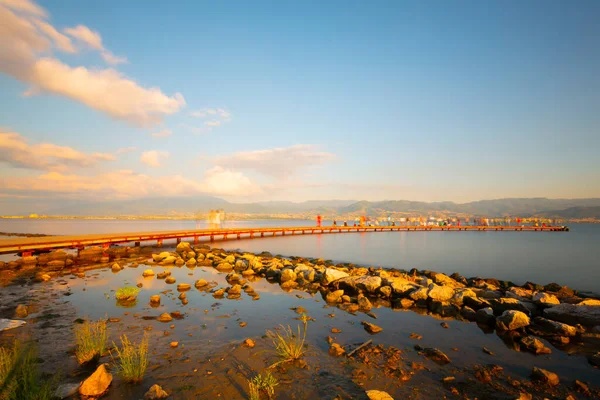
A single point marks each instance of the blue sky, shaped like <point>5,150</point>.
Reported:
<point>426,100</point>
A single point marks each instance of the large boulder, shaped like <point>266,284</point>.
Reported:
<point>445,280</point>
<point>440,293</point>
<point>288,275</point>
<point>518,293</point>
<point>419,294</point>
<point>97,383</point>
<point>183,248</point>
<point>332,275</point>
<point>551,328</point>
<point>224,267</point>
<point>485,316</point>
<point>574,314</point>
<point>506,303</point>
<point>355,284</point>
<point>401,286</point>
<point>545,298</point>
<point>511,320</point>
<point>459,296</point>
<point>334,297</point>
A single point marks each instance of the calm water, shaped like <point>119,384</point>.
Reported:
<point>568,258</point>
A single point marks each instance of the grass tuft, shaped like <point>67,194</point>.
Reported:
<point>127,293</point>
<point>131,359</point>
<point>20,378</point>
<point>289,346</point>
<point>264,384</point>
<point>253,391</point>
<point>91,340</point>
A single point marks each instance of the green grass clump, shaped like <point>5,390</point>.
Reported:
<point>91,340</point>
<point>20,378</point>
<point>288,345</point>
<point>131,359</point>
<point>264,384</point>
<point>127,293</point>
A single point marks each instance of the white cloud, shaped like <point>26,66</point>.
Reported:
<point>163,133</point>
<point>17,152</point>
<point>154,158</point>
<point>93,40</point>
<point>111,59</point>
<point>85,35</point>
<point>128,184</point>
<point>62,42</point>
<point>26,44</point>
<point>105,90</point>
<point>218,116</point>
<point>280,163</point>
<point>25,6</point>
<point>219,180</point>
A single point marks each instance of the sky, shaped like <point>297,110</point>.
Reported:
<point>288,100</point>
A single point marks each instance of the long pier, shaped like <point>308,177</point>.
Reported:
<point>28,245</point>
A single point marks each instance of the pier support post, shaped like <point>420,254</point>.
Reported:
<point>238,236</point>
<point>159,243</point>
<point>262,234</point>
<point>137,244</point>
<point>196,240</point>
<point>212,238</point>
<point>178,240</point>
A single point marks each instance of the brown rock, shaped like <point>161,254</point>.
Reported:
<point>371,328</point>
<point>200,283</point>
<point>165,317</point>
<point>542,375</point>
<point>155,299</point>
<point>170,280</point>
<point>97,383</point>
<point>182,287</point>
<point>534,345</point>
<point>174,344</point>
<point>336,350</point>
<point>249,343</point>
<point>436,355</point>
<point>155,393</point>
<point>21,311</point>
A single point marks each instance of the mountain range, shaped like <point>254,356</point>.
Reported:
<point>524,207</point>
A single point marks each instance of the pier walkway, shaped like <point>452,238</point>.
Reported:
<point>28,245</point>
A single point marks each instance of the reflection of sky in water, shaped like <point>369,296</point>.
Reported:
<point>273,309</point>
<point>568,258</point>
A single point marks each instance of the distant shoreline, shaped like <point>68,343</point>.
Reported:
<point>231,217</point>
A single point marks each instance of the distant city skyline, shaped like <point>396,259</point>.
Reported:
<point>257,101</point>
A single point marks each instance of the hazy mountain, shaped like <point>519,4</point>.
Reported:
<point>191,205</point>
<point>572,212</point>
<point>310,205</point>
<point>497,207</point>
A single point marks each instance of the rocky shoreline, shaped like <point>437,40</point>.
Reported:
<point>522,316</point>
